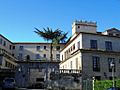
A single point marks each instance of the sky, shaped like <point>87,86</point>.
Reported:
<point>18,18</point>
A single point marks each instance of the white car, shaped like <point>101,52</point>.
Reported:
<point>8,83</point>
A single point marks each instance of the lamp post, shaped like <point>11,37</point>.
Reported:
<point>113,73</point>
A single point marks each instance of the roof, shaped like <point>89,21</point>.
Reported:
<point>6,38</point>
<point>26,42</point>
<point>111,29</point>
<point>35,43</point>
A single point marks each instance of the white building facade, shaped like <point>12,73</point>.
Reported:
<point>36,51</point>
<point>92,52</point>
<point>6,50</point>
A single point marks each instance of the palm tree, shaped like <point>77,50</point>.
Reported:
<point>55,37</point>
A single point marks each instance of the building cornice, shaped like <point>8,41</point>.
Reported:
<point>37,61</point>
<point>92,51</point>
<point>35,43</point>
<point>99,51</point>
<point>86,25</point>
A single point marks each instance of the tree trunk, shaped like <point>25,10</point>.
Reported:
<point>51,56</point>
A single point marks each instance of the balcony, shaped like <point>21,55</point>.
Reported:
<point>69,71</point>
<point>7,55</point>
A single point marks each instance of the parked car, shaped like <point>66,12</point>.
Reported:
<point>8,83</point>
<point>114,88</point>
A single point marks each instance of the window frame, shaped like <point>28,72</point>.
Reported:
<point>38,48</point>
<point>96,63</point>
<point>108,46</point>
<point>21,48</point>
<point>93,44</point>
<point>37,56</point>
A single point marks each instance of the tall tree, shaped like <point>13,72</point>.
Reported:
<point>55,37</point>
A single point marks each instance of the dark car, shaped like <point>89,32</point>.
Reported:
<point>8,83</point>
<point>114,88</point>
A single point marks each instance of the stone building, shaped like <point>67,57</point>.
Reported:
<point>7,61</point>
<point>30,62</point>
<point>34,62</point>
<point>92,52</point>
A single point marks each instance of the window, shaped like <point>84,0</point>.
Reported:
<point>97,77</point>
<point>62,57</point>
<point>96,63</point>
<point>78,44</point>
<point>10,47</point>
<point>57,48</point>
<point>111,61</point>
<point>117,35</point>
<point>1,58</point>
<point>63,67</point>
<point>76,63</point>
<point>1,41</point>
<point>21,48</point>
<point>37,48</point>
<point>58,56</point>
<point>45,47</point>
<point>44,55</point>
<point>40,69</point>
<point>37,56</point>
<point>93,44</point>
<point>108,45</point>
<point>20,57</point>
<point>110,34</point>
<point>4,44</point>
<point>119,60</point>
<point>28,57</point>
<point>71,64</point>
<point>13,47</point>
<point>13,55</point>
<point>110,78</point>
<point>71,48</point>
<point>74,47</point>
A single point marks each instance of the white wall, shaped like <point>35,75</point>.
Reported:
<point>30,49</point>
<point>7,46</point>
<point>75,64</point>
<point>81,26</point>
<point>100,41</point>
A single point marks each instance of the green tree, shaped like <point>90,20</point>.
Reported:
<point>55,37</point>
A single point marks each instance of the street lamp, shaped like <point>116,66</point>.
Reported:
<point>113,73</point>
<point>93,82</point>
